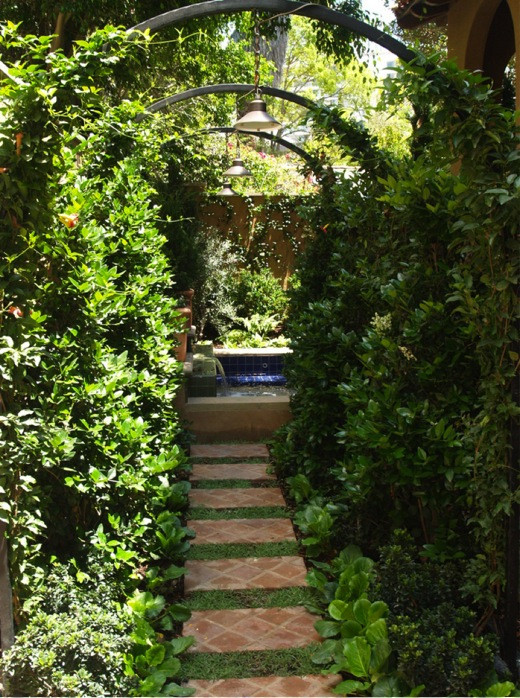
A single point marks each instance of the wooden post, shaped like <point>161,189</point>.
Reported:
<point>511,604</point>
<point>6,594</point>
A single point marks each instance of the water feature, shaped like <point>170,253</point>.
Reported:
<point>223,384</point>
<point>253,391</point>
<point>252,367</point>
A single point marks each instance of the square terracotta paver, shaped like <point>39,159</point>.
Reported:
<point>274,686</point>
<point>229,451</point>
<point>242,531</point>
<point>230,471</point>
<point>251,629</point>
<point>239,497</point>
<point>245,573</point>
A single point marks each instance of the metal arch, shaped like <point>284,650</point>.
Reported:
<point>227,88</point>
<point>304,9</point>
<point>269,136</point>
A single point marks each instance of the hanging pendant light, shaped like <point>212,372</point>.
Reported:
<point>257,118</point>
<point>227,190</point>
<point>238,169</point>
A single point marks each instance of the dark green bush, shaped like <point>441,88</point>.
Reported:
<point>403,336</point>
<point>430,628</point>
<point>438,648</point>
<point>409,584</point>
<point>404,349</point>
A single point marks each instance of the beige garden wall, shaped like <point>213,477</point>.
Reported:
<point>248,221</point>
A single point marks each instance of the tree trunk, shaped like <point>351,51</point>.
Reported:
<point>59,31</point>
<point>6,594</point>
<point>275,50</point>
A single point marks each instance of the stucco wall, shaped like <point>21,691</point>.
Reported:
<point>242,219</point>
<point>469,23</point>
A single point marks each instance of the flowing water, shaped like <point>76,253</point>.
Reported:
<point>257,390</point>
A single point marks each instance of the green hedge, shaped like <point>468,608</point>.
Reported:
<point>405,337</point>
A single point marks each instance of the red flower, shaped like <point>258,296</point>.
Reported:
<point>69,219</point>
<point>15,311</point>
<point>324,227</point>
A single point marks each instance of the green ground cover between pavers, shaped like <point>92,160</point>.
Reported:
<point>204,513</point>
<point>231,484</point>
<point>229,665</point>
<point>224,599</point>
<point>219,551</point>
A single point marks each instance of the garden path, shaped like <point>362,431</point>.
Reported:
<point>238,508</point>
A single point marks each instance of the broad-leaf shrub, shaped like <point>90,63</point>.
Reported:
<point>259,292</point>
<point>90,438</point>
<point>79,652</point>
<point>356,636</point>
<point>405,337</point>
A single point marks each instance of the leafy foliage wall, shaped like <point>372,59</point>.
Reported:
<point>90,442</point>
<point>405,338</point>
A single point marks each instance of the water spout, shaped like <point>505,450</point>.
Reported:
<point>222,375</point>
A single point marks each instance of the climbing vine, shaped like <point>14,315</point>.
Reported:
<point>405,341</point>
<point>90,440</point>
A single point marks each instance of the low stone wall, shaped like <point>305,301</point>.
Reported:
<point>236,418</point>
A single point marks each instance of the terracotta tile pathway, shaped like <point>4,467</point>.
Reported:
<point>251,629</point>
<point>230,471</point>
<point>273,686</point>
<point>230,451</point>
<point>242,531</point>
<point>245,573</point>
<point>247,629</point>
<point>239,497</point>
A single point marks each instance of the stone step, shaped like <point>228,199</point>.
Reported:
<point>253,419</point>
<point>251,629</point>
<point>270,686</point>
<point>230,471</point>
<point>242,531</point>
<point>229,451</point>
<point>245,573</point>
<point>239,497</point>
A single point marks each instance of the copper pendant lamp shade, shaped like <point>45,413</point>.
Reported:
<point>227,190</point>
<point>257,118</point>
<point>238,169</point>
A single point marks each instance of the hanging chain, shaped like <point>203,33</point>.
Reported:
<point>257,53</point>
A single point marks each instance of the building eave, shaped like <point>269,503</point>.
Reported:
<point>412,13</point>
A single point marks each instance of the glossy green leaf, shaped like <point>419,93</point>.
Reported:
<point>357,654</point>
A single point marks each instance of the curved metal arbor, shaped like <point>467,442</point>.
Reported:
<point>227,88</point>
<point>304,9</point>
<point>268,136</point>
